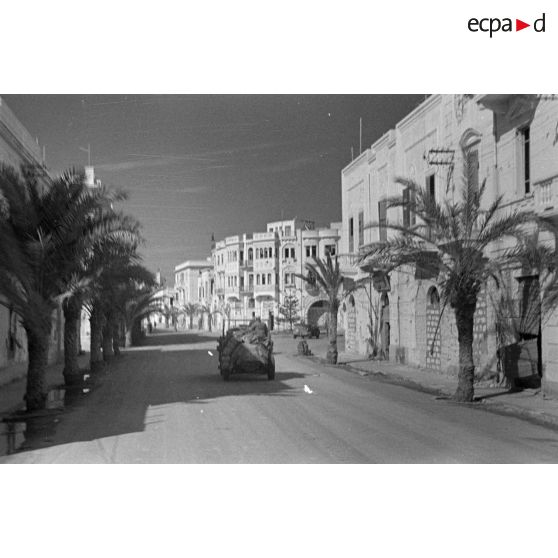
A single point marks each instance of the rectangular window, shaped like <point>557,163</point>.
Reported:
<point>431,186</point>
<point>473,168</point>
<point>382,220</point>
<point>250,280</point>
<point>330,249</point>
<point>351,233</point>
<point>263,278</point>
<point>409,218</point>
<point>241,256</point>
<point>288,230</point>
<point>258,279</point>
<point>525,134</point>
<point>431,189</point>
<point>361,228</point>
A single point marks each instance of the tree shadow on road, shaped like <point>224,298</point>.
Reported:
<point>168,369</point>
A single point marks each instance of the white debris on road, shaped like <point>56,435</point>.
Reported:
<point>209,353</point>
<point>307,389</point>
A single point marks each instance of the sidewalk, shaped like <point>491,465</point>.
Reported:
<point>11,394</point>
<point>529,404</point>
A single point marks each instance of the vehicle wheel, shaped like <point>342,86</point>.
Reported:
<point>271,368</point>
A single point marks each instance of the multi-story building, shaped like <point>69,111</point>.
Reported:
<point>252,272</point>
<point>17,148</point>
<point>507,141</point>
<point>186,281</point>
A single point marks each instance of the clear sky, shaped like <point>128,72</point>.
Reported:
<point>194,165</point>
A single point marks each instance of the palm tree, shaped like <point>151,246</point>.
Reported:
<point>190,309</point>
<point>140,304</point>
<point>134,279</point>
<point>206,309</point>
<point>325,274</point>
<point>115,261</point>
<point>117,233</point>
<point>44,226</point>
<point>453,238</point>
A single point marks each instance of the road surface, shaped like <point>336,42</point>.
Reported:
<point>166,403</point>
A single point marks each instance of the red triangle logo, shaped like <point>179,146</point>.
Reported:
<point>519,25</point>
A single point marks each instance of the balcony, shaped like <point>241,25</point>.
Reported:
<point>265,290</point>
<point>546,198</point>
<point>247,265</point>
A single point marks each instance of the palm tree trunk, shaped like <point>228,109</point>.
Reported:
<point>72,310</point>
<point>464,316</point>
<point>108,352</point>
<point>191,321</point>
<point>37,348</point>
<point>135,332</point>
<point>332,348</point>
<point>96,322</point>
<point>116,337</point>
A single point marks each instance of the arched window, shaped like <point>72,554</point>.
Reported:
<point>470,147</point>
<point>250,254</point>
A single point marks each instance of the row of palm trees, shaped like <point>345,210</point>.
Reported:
<point>456,240</point>
<point>63,244</point>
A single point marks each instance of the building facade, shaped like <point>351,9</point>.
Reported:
<point>250,274</point>
<point>507,141</point>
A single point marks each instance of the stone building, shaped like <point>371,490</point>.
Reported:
<point>509,141</point>
<point>17,148</point>
<point>251,273</point>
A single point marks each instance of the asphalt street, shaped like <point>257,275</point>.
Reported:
<point>165,402</point>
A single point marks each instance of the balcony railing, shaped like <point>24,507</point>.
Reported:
<point>546,196</point>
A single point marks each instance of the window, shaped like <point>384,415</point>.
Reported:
<point>250,254</point>
<point>330,249</point>
<point>431,189</point>
<point>361,228</point>
<point>472,169</point>
<point>269,278</point>
<point>311,251</point>
<point>288,230</point>
<point>525,135</point>
<point>241,256</point>
<point>258,279</point>
<point>382,220</point>
<point>250,280</point>
<point>431,185</point>
<point>351,233</point>
<point>409,218</point>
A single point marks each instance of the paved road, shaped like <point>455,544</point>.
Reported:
<point>166,403</point>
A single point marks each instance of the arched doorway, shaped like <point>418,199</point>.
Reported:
<point>433,334</point>
<point>384,326</point>
<point>317,313</point>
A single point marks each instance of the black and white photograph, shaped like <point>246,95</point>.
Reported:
<point>278,279</point>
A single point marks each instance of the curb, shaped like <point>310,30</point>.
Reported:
<point>504,409</point>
